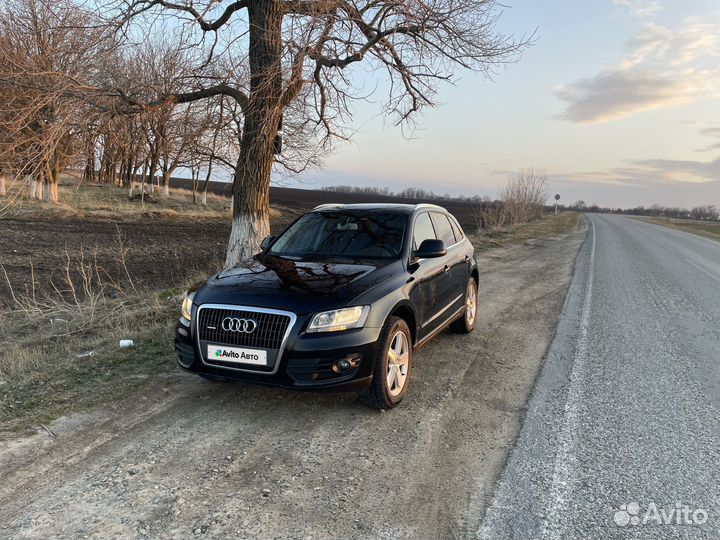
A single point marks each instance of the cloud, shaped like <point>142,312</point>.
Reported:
<point>641,8</point>
<point>710,132</point>
<point>658,174</point>
<point>661,68</point>
<point>685,171</point>
<point>713,133</point>
<point>710,148</point>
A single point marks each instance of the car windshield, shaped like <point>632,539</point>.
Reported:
<point>361,234</point>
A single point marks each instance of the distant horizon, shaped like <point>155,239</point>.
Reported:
<point>452,192</point>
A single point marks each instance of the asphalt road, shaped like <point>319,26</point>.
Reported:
<point>625,409</point>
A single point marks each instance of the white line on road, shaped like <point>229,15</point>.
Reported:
<point>716,278</point>
<point>674,252</point>
<point>564,469</point>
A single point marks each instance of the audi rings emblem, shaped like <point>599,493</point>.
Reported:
<point>246,326</point>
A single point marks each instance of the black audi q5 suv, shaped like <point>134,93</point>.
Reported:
<point>340,300</point>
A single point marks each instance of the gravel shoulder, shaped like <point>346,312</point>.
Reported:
<point>188,457</point>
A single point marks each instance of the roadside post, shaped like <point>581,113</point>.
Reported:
<point>557,198</point>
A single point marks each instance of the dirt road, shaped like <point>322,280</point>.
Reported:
<point>190,457</point>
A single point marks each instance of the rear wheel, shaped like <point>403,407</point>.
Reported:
<point>392,366</point>
<point>466,323</point>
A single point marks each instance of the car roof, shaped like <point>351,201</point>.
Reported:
<point>397,207</point>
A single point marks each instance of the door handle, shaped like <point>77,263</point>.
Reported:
<point>446,269</point>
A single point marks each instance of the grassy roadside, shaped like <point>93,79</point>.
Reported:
<point>708,230</point>
<point>64,356</point>
<point>550,225</point>
<point>67,358</point>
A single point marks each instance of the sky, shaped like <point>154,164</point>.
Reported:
<point>617,101</point>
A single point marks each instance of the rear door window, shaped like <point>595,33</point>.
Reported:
<point>443,228</point>
<point>457,231</point>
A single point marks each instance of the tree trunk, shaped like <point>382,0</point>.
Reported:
<point>151,173</point>
<point>106,174</point>
<point>167,177</point>
<point>89,173</point>
<point>129,169</point>
<point>207,181</point>
<point>54,194</point>
<point>142,180</point>
<point>251,184</point>
<point>35,186</point>
<point>194,186</point>
<point>166,180</point>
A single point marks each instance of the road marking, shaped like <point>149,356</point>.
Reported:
<point>564,469</point>
<point>716,278</point>
<point>680,231</point>
<point>684,259</point>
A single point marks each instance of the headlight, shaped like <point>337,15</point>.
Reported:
<point>339,319</point>
<point>186,309</point>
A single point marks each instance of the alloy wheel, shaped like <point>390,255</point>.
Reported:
<point>397,363</point>
<point>471,303</point>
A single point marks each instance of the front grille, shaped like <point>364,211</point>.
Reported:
<point>271,328</point>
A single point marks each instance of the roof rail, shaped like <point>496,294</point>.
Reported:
<point>428,206</point>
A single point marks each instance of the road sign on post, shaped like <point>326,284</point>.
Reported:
<point>557,198</point>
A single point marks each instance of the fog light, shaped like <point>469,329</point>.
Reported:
<point>344,364</point>
<point>182,332</point>
<point>341,365</point>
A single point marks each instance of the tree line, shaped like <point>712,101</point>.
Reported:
<point>63,76</point>
<point>418,194</point>
<point>707,212</point>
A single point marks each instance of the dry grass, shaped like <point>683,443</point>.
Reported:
<point>61,349</point>
<point>708,230</point>
<point>102,201</point>
<point>109,202</point>
<point>550,225</point>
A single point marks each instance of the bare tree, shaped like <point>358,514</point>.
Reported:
<point>49,54</point>
<point>524,196</point>
<point>290,63</point>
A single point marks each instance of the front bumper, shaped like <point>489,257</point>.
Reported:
<point>306,362</point>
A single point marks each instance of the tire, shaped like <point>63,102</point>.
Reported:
<point>381,394</point>
<point>466,323</point>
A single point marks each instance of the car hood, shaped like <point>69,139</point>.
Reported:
<point>299,286</point>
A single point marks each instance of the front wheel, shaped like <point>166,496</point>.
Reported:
<point>392,366</point>
<point>466,323</point>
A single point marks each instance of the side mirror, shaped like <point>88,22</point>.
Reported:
<point>430,249</point>
<point>265,244</point>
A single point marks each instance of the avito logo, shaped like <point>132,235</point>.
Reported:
<point>222,353</point>
<point>681,514</point>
